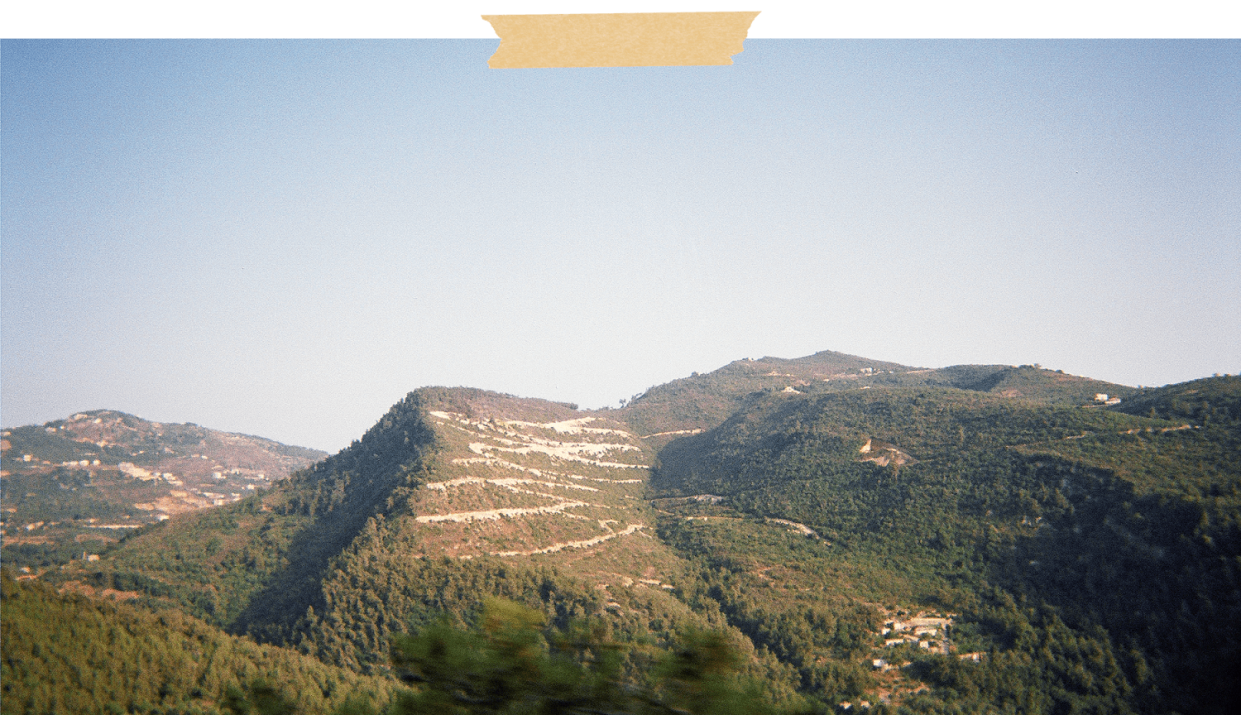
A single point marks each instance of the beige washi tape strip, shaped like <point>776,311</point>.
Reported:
<point>649,39</point>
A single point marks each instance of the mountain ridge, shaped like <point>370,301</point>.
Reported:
<point>748,502</point>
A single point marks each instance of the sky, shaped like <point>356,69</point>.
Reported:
<point>283,238</point>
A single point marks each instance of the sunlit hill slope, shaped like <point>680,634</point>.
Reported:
<point>966,539</point>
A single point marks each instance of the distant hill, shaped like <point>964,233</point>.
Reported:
<point>704,401</point>
<point>1209,401</point>
<point>980,538</point>
<point>73,485</point>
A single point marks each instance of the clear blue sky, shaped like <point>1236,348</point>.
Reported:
<point>283,238</point>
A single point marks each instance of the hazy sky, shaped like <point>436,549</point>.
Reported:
<point>283,238</point>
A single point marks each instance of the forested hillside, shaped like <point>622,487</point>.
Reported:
<point>704,401</point>
<point>73,654</point>
<point>859,534</point>
<point>1117,531</point>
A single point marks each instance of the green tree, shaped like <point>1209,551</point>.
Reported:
<point>259,698</point>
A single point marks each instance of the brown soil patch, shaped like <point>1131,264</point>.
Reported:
<point>76,587</point>
<point>119,595</point>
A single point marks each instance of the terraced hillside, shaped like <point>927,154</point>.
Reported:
<point>521,499</point>
<point>454,495</point>
<point>516,488</point>
<point>928,540</point>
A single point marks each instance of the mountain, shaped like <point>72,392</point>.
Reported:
<point>1109,539</point>
<point>454,494</point>
<point>77,484</point>
<point>703,401</point>
<point>964,539</point>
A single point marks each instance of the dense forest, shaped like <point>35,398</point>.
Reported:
<point>1117,530</point>
<point>73,654</point>
<point>826,534</point>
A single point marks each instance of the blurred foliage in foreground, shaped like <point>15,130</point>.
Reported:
<point>68,653</point>
<point>510,664</point>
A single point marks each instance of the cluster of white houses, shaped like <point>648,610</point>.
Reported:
<point>928,632</point>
